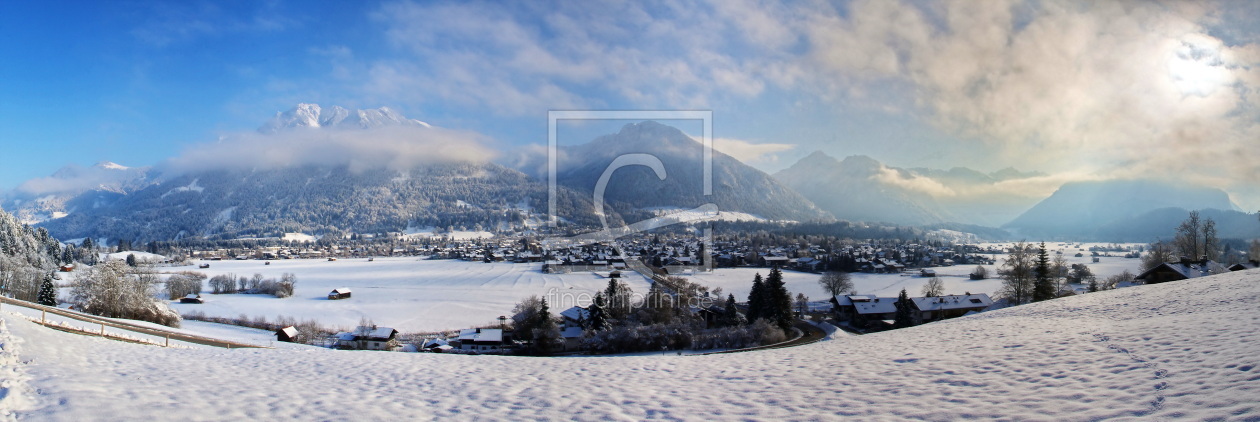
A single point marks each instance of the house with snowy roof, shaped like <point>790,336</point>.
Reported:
<point>368,338</point>
<point>339,293</point>
<point>951,306</point>
<point>1185,269</point>
<point>575,316</point>
<point>1251,265</point>
<point>287,334</point>
<point>482,340</point>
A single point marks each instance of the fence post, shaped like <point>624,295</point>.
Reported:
<point>168,340</point>
<point>102,329</point>
<point>42,316</point>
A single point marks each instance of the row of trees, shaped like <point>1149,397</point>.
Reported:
<point>1030,275</point>
<point>618,321</point>
<point>230,283</point>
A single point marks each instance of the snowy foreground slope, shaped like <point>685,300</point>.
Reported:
<point>1177,350</point>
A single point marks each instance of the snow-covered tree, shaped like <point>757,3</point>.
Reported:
<point>183,284</point>
<point>48,291</point>
<point>598,320</point>
<point>112,290</point>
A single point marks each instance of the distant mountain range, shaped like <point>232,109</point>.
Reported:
<point>1126,210</point>
<point>152,204</point>
<point>141,204</point>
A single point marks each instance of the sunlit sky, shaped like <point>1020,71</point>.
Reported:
<point>1077,90</point>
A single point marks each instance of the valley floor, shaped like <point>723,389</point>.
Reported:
<point>1176,350</point>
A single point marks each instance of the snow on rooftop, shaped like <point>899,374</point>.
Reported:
<point>1177,350</point>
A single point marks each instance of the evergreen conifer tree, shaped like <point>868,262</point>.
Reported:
<point>730,315</point>
<point>48,291</point>
<point>756,299</point>
<point>1043,284</point>
<point>597,321</point>
<point>905,311</point>
<point>778,307</point>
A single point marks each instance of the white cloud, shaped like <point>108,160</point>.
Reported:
<point>1113,89</point>
<point>1136,89</point>
<point>749,152</point>
<point>390,147</point>
<point>913,182</point>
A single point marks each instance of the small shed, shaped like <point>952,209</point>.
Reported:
<point>203,266</point>
<point>67,268</point>
<point>192,298</point>
<point>339,293</point>
<point>287,334</point>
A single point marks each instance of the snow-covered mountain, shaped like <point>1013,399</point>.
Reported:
<point>636,190</point>
<point>229,204</point>
<point>74,188</point>
<point>1106,210</point>
<point>313,116</point>
<point>1182,350</point>
<point>307,192</point>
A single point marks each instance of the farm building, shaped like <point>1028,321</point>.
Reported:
<point>368,338</point>
<point>287,334</point>
<point>339,293</point>
<point>192,298</point>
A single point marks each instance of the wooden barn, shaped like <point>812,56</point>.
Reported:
<point>339,293</point>
<point>287,334</point>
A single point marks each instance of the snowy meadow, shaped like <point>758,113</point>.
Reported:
<point>1179,350</point>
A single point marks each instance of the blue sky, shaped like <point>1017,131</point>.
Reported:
<point>1077,90</point>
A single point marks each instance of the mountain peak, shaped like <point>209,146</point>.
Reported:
<point>860,162</point>
<point>308,115</point>
<point>109,165</point>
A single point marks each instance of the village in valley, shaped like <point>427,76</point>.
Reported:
<point>686,286</point>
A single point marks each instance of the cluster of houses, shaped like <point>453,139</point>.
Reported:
<point>1188,268</point>
<point>870,312</point>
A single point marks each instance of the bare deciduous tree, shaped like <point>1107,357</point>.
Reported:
<point>934,287</point>
<point>836,283</point>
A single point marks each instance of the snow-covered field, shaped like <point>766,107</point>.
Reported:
<point>1181,350</point>
<point>409,294</point>
<point>415,294</point>
<point>739,280</point>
